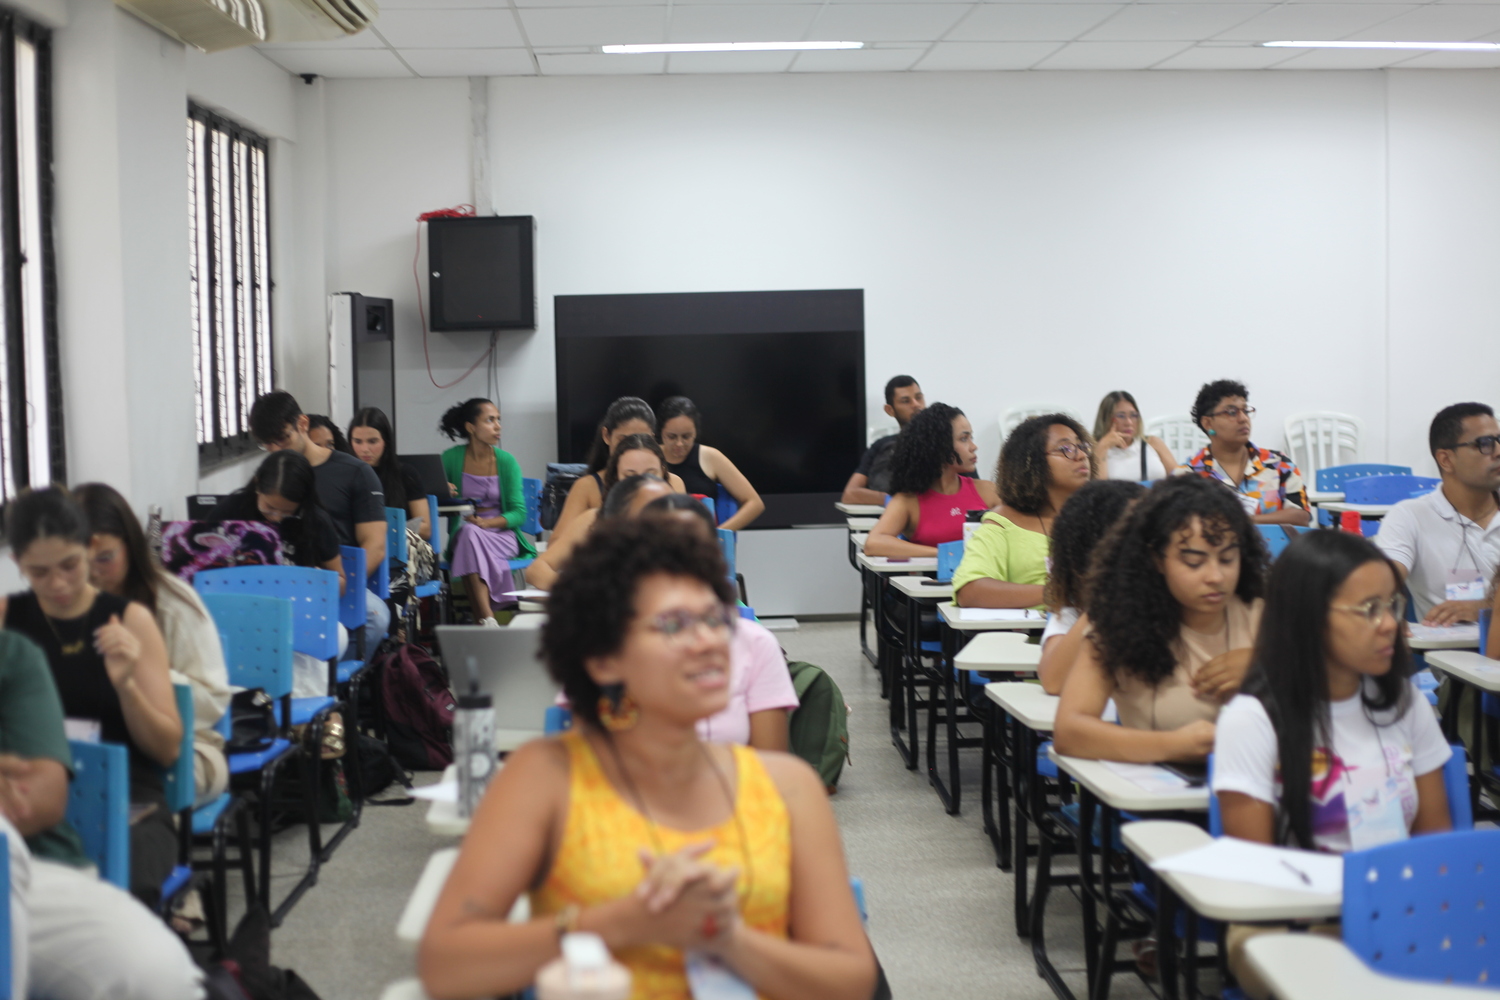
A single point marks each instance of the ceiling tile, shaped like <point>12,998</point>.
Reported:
<point>1345,59</point>
<point>1444,23</point>
<point>1158,22</point>
<point>440,29</point>
<point>594,26</point>
<point>363,40</point>
<point>1030,22</point>
<point>729,62</point>
<point>886,22</point>
<point>857,61</point>
<point>1224,57</point>
<point>1314,20</point>
<point>985,55</point>
<point>597,63</point>
<point>1111,55</point>
<point>1455,60</point>
<point>469,62</point>
<point>781,22</point>
<point>341,63</point>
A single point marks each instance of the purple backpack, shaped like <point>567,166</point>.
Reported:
<point>190,546</point>
<point>418,708</point>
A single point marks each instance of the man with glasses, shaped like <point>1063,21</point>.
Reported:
<point>1447,543</point>
<point>1267,483</point>
<point>871,479</point>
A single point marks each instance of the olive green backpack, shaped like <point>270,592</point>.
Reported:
<point>819,727</point>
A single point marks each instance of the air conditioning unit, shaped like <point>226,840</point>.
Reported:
<point>215,25</point>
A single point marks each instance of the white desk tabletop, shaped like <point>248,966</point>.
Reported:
<point>1027,703</point>
<point>442,817</point>
<point>1007,652</point>
<point>1324,496</point>
<point>404,989</point>
<point>1468,666</point>
<point>1314,967</point>
<point>883,565</point>
<point>1362,509</point>
<point>863,523</point>
<point>1220,899</point>
<point>1423,645</point>
<point>950,614</point>
<point>1119,792</point>
<point>859,509</point>
<point>424,897</point>
<point>923,586</point>
<point>859,539</point>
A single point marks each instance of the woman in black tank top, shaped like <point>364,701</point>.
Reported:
<point>108,660</point>
<point>703,469</point>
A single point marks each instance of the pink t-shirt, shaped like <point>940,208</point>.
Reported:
<point>758,682</point>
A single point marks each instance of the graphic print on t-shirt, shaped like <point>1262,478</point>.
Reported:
<point>1333,781</point>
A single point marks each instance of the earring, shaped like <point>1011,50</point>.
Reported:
<point>1212,432</point>
<point>617,712</point>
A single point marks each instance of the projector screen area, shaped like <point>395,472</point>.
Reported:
<point>778,377</point>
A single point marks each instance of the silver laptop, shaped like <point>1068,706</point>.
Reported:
<point>509,667</point>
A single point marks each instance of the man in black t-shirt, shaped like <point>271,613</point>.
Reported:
<point>872,478</point>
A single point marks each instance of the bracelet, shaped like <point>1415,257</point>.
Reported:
<point>566,919</point>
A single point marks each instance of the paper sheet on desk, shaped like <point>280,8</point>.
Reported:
<point>1458,633</point>
<point>1260,864</point>
<point>529,594</point>
<point>1000,615</point>
<point>1147,776</point>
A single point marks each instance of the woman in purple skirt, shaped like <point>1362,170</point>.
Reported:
<point>481,546</point>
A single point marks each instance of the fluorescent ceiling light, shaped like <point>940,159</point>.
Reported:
<point>730,47</point>
<point>1427,46</point>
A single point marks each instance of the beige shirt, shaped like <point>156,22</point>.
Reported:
<point>1172,703</point>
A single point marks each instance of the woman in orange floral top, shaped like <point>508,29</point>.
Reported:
<point>630,827</point>
<point>1266,482</point>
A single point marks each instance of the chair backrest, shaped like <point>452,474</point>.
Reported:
<point>395,535</point>
<point>1387,489</point>
<point>556,719</point>
<point>432,523</point>
<point>1322,439</point>
<point>178,780</point>
<point>531,489</point>
<point>259,635</point>
<point>875,432</point>
<point>314,594</point>
<point>709,503</point>
<point>1013,417</point>
<point>1276,539</point>
<point>1423,908</point>
<point>1183,438</point>
<point>99,807</point>
<point>729,542</point>
<point>950,554</point>
<point>1333,478</point>
<point>353,611</point>
<point>725,505</point>
<point>1215,818</point>
<point>1456,784</point>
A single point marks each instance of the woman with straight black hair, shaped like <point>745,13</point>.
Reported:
<point>628,416</point>
<point>321,430</point>
<point>931,492</point>
<point>373,440</point>
<point>703,469</point>
<point>284,492</point>
<point>1174,601</point>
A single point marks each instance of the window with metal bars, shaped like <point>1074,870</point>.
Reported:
<point>230,274</point>
<point>31,426</point>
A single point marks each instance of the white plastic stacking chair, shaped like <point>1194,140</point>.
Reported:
<point>874,433</point>
<point>1016,415</point>
<point>1323,439</point>
<point>1183,438</point>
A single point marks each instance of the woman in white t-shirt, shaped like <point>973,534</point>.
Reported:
<point>1128,452</point>
<point>1329,746</point>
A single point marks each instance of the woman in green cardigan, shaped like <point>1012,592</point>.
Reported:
<point>481,546</point>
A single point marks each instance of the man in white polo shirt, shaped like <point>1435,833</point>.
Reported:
<point>1447,543</point>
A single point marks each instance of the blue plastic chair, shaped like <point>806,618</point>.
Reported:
<point>1275,539</point>
<point>556,719</point>
<point>709,503</point>
<point>1388,489</point>
<point>353,611</point>
<point>395,536</point>
<point>531,489</point>
<point>950,554</point>
<point>729,543</point>
<point>433,588</point>
<point>99,807</point>
<point>178,782</point>
<point>1333,478</point>
<point>725,506</point>
<point>1424,908</point>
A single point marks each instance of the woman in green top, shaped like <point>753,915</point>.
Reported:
<point>483,544</point>
<point>1042,463</point>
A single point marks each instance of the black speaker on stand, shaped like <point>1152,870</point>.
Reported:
<point>362,350</point>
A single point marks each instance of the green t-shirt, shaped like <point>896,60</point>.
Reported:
<point>31,726</point>
<point>1000,550</point>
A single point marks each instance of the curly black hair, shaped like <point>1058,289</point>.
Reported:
<point>923,447</point>
<point>592,603</point>
<point>1210,393</point>
<point>457,417</point>
<point>1022,473</point>
<point>1136,619</point>
<point>1083,521</point>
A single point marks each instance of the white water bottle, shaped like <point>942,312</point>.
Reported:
<point>586,971</point>
<point>473,744</point>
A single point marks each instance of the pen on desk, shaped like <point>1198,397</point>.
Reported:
<point>1296,871</point>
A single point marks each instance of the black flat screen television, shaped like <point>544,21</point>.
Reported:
<point>779,378</point>
<point>480,272</point>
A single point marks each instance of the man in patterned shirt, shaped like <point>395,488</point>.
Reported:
<point>1266,482</point>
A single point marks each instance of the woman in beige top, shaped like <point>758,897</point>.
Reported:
<point>1174,604</point>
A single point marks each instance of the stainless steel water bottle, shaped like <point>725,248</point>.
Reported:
<point>473,744</point>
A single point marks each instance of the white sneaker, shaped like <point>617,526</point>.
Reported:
<point>488,623</point>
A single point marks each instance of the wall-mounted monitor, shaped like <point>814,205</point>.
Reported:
<point>481,274</point>
<point>778,376</point>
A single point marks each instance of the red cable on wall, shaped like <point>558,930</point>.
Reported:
<point>457,212</point>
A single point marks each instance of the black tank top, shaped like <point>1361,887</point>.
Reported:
<point>82,681</point>
<point>693,477</point>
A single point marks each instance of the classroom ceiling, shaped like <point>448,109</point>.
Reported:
<point>437,38</point>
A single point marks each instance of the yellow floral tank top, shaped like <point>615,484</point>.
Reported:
<point>597,861</point>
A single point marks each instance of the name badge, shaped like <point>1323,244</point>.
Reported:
<point>82,730</point>
<point>1464,585</point>
<point>1250,503</point>
<point>1375,812</point>
<point>710,979</point>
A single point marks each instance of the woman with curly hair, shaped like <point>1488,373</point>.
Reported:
<point>930,493</point>
<point>1043,463</point>
<point>1083,521</point>
<point>1174,601</point>
<point>630,825</point>
<point>1266,482</point>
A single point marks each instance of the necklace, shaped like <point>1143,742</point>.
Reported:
<point>68,648</point>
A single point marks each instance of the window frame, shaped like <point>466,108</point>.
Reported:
<point>221,448</point>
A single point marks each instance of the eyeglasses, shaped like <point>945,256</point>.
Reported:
<point>1372,609</point>
<point>1123,415</point>
<point>1484,445</point>
<point>1233,412</point>
<point>1072,451</point>
<point>676,626</point>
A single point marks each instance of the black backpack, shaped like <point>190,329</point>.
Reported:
<point>560,479</point>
